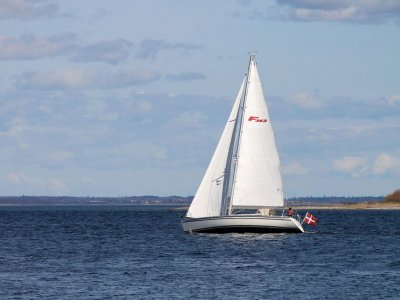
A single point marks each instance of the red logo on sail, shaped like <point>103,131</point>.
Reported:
<point>257,119</point>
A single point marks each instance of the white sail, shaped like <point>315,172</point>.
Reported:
<point>258,180</point>
<point>207,201</point>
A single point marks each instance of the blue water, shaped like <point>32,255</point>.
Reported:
<point>140,252</point>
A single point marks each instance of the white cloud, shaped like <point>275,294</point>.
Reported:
<point>385,163</point>
<point>160,153</point>
<point>56,185</point>
<point>393,100</point>
<point>112,52</point>
<point>156,131</point>
<point>27,9</point>
<point>359,11</point>
<point>354,165</point>
<point>150,48</point>
<point>61,156</point>
<point>145,106</point>
<point>357,166</point>
<point>15,127</point>
<point>88,181</point>
<point>29,46</point>
<point>189,119</point>
<point>76,79</point>
<point>189,76</point>
<point>294,169</point>
<point>14,178</point>
<point>305,101</point>
<point>21,180</point>
<point>100,109</point>
<point>135,153</point>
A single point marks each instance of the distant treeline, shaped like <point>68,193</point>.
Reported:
<point>332,200</point>
<point>67,200</point>
<point>143,200</point>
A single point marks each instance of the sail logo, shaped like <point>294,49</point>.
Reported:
<point>257,119</point>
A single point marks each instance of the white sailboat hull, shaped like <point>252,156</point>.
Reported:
<point>242,223</point>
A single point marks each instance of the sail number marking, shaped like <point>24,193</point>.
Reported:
<point>257,119</point>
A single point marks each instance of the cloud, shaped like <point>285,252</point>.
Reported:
<point>385,163</point>
<point>16,126</point>
<point>61,156</point>
<point>79,142</point>
<point>110,132</point>
<point>357,11</point>
<point>305,101</point>
<point>294,169</point>
<point>21,179</point>
<point>29,46</point>
<point>56,185</point>
<point>393,100</point>
<point>145,106</point>
<point>112,52</point>
<point>351,164</point>
<point>150,48</point>
<point>356,110</point>
<point>189,119</point>
<point>27,9</point>
<point>14,178</point>
<point>357,166</point>
<point>76,79</point>
<point>189,76</point>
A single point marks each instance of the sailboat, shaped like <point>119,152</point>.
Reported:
<point>241,190</point>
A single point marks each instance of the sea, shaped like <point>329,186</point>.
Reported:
<point>141,252</point>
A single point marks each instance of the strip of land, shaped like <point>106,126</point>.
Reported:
<point>363,205</point>
<point>184,202</point>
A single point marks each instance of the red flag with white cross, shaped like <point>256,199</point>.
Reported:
<point>310,219</point>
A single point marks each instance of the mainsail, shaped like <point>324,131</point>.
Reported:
<point>244,171</point>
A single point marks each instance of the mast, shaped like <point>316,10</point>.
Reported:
<point>233,154</point>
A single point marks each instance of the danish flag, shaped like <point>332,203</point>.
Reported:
<point>310,219</point>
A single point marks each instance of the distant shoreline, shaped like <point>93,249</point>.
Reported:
<point>353,206</point>
<point>336,206</point>
<point>183,203</point>
<point>184,206</point>
<point>167,200</point>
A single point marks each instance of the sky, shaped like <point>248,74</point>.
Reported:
<point>129,97</point>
